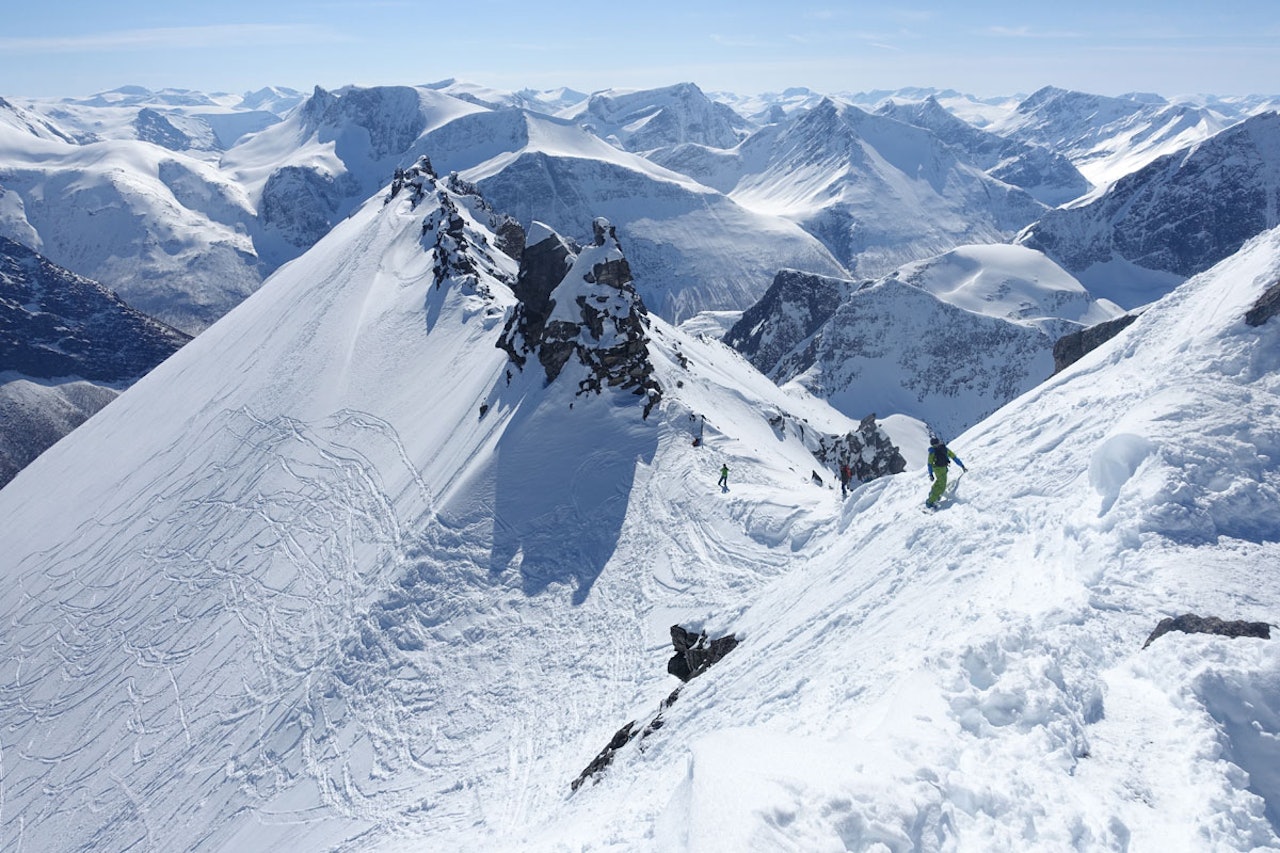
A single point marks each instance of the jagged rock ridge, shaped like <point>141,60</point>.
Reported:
<point>580,304</point>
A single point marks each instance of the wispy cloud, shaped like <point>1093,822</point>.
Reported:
<point>219,36</point>
<point>1030,33</point>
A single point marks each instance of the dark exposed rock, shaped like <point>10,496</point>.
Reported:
<point>793,308</point>
<point>70,346</point>
<point>868,450</point>
<point>153,127</point>
<point>1071,348</point>
<point>695,652</point>
<point>54,323</point>
<point>579,304</point>
<point>1189,623</point>
<point>1267,306</point>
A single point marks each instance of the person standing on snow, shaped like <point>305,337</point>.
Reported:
<point>723,482</point>
<point>939,458</point>
<point>845,476</point>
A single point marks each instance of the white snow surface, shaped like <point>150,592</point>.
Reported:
<point>294,591</point>
<point>1012,283</point>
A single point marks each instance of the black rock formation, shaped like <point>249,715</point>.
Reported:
<point>55,324</point>
<point>579,304</point>
<point>791,310</point>
<point>695,652</point>
<point>1071,348</point>
<point>1189,623</point>
<point>1267,306</point>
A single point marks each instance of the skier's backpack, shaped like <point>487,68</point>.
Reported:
<point>940,457</point>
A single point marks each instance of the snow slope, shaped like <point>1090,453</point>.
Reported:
<point>313,585</point>
<point>295,589</point>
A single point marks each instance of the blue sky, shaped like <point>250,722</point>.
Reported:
<point>984,48</point>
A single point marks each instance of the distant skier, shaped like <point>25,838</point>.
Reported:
<point>846,474</point>
<point>939,458</point>
<point>723,482</point>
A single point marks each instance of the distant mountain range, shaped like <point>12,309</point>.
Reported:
<point>67,348</point>
<point>183,203</point>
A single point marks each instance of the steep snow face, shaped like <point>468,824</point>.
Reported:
<point>974,679</point>
<point>659,118</point>
<point>877,192</point>
<point>1172,219</point>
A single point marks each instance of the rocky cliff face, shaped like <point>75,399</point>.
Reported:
<point>868,451</point>
<point>793,308</point>
<point>578,306</point>
<point>1179,215</point>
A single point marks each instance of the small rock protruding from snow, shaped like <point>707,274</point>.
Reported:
<point>1189,623</point>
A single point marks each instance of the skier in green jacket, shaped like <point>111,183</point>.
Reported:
<point>940,457</point>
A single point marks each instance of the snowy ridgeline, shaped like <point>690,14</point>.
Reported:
<point>341,575</point>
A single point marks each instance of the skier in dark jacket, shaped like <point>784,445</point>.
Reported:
<point>940,457</point>
<point>846,474</point>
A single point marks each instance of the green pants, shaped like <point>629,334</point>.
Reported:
<point>939,483</point>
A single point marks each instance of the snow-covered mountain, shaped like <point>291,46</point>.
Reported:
<point>1108,138</point>
<point>365,496</point>
<point>648,119</point>
<point>690,247</point>
<point>166,231</point>
<point>338,575</point>
<point>876,191</point>
<point>67,348</point>
<point>1177,216</point>
<point>1047,176</point>
<point>947,340</point>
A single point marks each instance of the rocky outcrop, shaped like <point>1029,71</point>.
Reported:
<point>579,306</point>
<point>868,450</point>
<point>1267,306</point>
<point>792,309</point>
<point>1189,623</point>
<point>694,653</point>
<point>1069,349</point>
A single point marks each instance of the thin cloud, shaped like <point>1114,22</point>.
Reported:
<point>220,36</point>
<point>1029,33</point>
